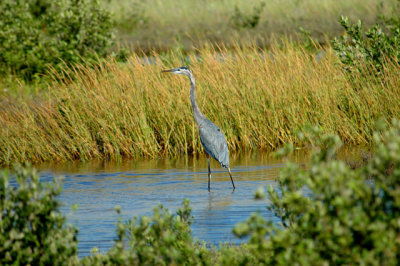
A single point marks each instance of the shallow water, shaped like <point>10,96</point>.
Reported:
<point>139,185</point>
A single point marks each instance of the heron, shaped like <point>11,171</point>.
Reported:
<point>211,136</point>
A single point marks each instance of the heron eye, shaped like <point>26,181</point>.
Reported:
<point>219,129</point>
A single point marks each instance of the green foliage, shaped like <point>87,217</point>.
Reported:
<point>32,228</point>
<point>128,15</point>
<point>332,214</point>
<point>375,46</point>
<point>37,33</point>
<point>241,20</point>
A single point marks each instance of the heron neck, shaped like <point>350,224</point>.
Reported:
<point>196,111</point>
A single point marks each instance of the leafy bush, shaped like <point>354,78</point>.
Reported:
<point>241,20</point>
<point>332,214</point>
<point>378,44</point>
<point>128,15</point>
<point>37,33</point>
<point>32,228</point>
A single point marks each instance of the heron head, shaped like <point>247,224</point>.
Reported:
<point>180,70</point>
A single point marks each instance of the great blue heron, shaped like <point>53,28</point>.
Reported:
<point>211,136</point>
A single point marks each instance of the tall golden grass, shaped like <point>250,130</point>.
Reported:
<point>260,99</point>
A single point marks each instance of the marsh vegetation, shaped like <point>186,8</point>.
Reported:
<point>261,100</point>
<point>68,93</point>
<point>164,25</point>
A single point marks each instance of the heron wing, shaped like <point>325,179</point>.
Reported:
<point>214,142</point>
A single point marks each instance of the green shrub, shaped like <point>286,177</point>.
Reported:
<point>37,33</point>
<point>240,20</point>
<point>32,228</point>
<point>332,214</point>
<point>128,15</point>
<point>375,46</point>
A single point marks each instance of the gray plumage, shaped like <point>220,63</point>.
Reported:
<point>214,142</point>
<point>211,136</point>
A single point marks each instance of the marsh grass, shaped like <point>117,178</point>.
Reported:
<point>260,99</point>
<point>156,23</point>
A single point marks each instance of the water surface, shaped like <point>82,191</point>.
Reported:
<point>139,185</point>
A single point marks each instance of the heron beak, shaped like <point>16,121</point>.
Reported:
<point>170,70</point>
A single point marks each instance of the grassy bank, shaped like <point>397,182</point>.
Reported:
<point>159,24</point>
<point>259,99</point>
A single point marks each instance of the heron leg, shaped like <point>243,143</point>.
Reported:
<point>209,172</point>
<point>230,174</point>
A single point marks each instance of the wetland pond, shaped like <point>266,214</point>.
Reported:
<point>139,185</point>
